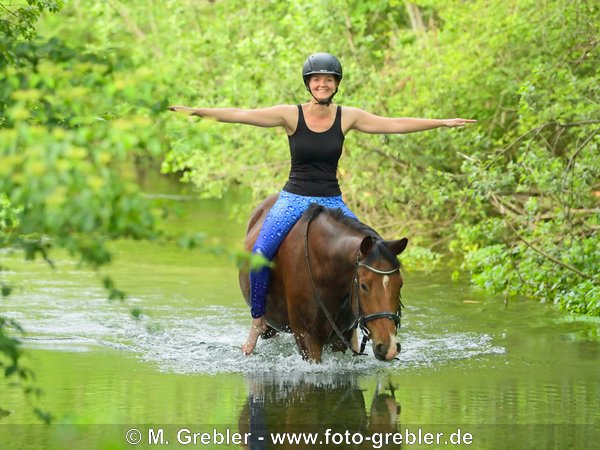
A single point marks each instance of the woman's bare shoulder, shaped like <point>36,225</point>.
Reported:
<point>350,115</point>
<point>353,111</point>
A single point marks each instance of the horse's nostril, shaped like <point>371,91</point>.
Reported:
<point>398,348</point>
<point>380,351</point>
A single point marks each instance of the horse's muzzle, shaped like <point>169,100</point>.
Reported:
<point>386,353</point>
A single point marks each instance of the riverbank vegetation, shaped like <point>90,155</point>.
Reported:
<point>514,199</point>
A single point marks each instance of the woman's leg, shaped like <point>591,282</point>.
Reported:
<point>279,221</point>
<point>335,202</point>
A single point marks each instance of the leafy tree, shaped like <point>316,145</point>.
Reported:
<point>18,22</point>
<point>74,125</point>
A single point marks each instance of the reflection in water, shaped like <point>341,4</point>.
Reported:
<point>328,412</point>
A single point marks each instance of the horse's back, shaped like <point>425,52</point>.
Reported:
<point>290,297</point>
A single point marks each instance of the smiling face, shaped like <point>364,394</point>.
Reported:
<point>322,86</point>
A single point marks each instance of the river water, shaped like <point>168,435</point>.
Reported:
<point>485,374</point>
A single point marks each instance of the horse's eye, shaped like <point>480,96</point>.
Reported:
<point>364,287</point>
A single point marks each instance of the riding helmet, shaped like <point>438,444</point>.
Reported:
<point>321,63</point>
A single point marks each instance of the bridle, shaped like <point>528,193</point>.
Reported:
<point>360,319</point>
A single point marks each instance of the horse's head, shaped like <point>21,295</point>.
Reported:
<point>378,283</point>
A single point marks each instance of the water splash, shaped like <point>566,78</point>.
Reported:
<point>208,340</point>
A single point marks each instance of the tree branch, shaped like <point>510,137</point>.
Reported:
<point>349,35</point>
<point>547,255</point>
<point>572,158</point>
<point>416,19</point>
<point>577,124</point>
<point>392,158</point>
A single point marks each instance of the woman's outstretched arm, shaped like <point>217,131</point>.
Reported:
<point>366,122</point>
<point>275,116</point>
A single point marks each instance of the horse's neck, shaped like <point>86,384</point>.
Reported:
<point>346,248</point>
<point>341,245</point>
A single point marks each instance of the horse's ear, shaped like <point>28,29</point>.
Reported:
<point>398,246</point>
<point>366,245</point>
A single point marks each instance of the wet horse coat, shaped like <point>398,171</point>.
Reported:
<point>350,268</point>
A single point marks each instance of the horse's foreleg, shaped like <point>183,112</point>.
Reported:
<point>354,340</point>
<point>309,347</point>
<point>352,337</point>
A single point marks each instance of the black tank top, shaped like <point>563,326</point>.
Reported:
<point>315,158</point>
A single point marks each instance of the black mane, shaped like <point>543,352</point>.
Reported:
<point>336,213</point>
<point>379,251</point>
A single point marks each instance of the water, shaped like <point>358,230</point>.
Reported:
<point>525,376</point>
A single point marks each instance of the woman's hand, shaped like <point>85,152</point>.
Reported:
<point>176,108</point>
<point>452,123</point>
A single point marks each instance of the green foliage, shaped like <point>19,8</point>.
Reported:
<point>83,98</point>
<point>73,126</point>
<point>529,212</point>
<point>515,196</point>
<point>11,366</point>
<point>252,261</point>
<point>75,122</point>
<point>417,258</point>
<point>18,22</point>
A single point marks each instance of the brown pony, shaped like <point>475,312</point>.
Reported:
<point>331,275</point>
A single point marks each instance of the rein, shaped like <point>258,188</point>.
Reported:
<point>360,319</point>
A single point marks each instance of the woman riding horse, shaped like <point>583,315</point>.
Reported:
<point>316,132</point>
